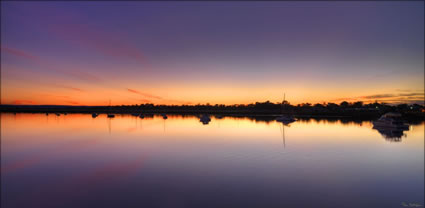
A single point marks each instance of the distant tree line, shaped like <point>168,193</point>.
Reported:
<point>332,109</point>
<point>352,109</point>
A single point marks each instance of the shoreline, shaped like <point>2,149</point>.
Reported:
<point>256,117</point>
<point>349,113</point>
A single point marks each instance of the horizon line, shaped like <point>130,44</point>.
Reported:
<point>207,104</point>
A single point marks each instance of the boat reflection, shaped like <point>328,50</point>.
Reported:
<point>282,129</point>
<point>205,119</point>
<point>392,135</point>
<point>391,127</point>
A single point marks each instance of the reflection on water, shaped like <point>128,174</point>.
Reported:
<point>391,126</point>
<point>392,135</point>
<point>282,129</point>
<point>131,161</point>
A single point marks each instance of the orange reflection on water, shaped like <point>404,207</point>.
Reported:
<point>79,155</point>
<point>39,128</point>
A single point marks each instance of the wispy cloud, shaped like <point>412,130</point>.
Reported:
<point>59,96</point>
<point>144,94</point>
<point>144,100</point>
<point>409,90</point>
<point>161,99</point>
<point>76,89</point>
<point>20,53</point>
<point>67,87</point>
<point>414,97</point>
<point>22,102</point>
<point>377,96</point>
<point>411,94</point>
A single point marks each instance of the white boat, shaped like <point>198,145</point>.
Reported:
<point>390,121</point>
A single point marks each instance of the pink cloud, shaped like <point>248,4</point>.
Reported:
<point>70,27</point>
<point>20,53</point>
<point>93,38</point>
<point>85,76</point>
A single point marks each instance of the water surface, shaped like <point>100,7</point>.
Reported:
<point>75,160</point>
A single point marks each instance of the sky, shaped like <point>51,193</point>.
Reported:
<point>90,53</point>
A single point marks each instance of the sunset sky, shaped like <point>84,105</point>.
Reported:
<point>87,53</point>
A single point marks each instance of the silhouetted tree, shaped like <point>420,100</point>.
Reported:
<point>344,104</point>
<point>358,104</point>
<point>332,106</point>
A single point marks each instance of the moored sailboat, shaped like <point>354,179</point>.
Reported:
<point>285,117</point>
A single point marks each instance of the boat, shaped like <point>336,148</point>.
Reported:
<point>205,119</point>
<point>110,115</point>
<point>164,116</point>
<point>285,119</point>
<point>94,115</point>
<point>390,121</point>
<point>135,114</point>
<point>58,114</point>
<point>142,116</point>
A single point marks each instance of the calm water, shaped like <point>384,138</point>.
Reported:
<point>76,161</point>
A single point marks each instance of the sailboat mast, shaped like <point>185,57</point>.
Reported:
<point>109,106</point>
